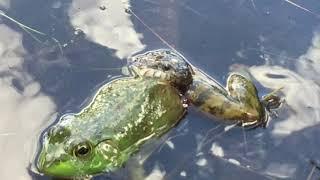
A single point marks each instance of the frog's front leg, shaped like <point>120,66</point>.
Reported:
<point>237,102</point>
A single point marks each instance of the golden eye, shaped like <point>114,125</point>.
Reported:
<point>82,149</point>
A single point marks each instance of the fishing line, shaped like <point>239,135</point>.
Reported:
<point>172,48</point>
<point>29,30</point>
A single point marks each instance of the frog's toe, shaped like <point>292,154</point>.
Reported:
<point>272,102</point>
<point>262,123</point>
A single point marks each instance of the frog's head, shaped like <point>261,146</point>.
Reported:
<point>66,153</point>
<point>164,64</point>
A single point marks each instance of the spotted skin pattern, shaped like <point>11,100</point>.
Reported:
<point>110,132</point>
<point>128,111</point>
<point>238,102</point>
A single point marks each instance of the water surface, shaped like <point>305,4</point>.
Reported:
<point>276,41</point>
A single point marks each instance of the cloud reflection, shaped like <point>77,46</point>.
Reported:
<point>5,4</point>
<point>24,109</point>
<point>301,89</point>
<point>309,64</point>
<point>111,27</point>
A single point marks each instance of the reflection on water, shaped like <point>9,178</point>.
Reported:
<point>308,64</point>
<point>109,26</point>
<point>301,96</point>
<point>282,150</point>
<point>301,90</point>
<point>24,108</point>
<point>5,4</point>
<point>293,132</point>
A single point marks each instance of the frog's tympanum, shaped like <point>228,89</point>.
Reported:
<point>128,111</point>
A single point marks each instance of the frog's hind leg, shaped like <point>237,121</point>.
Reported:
<point>242,90</point>
<point>209,97</point>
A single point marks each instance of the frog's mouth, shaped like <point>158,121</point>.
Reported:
<point>60,163</point>
<point>54,160</point>
<point>57,167</point>
<point>64,166</point>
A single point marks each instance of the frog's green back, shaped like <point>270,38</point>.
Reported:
<point>123,115</point>
<point>132,109</point>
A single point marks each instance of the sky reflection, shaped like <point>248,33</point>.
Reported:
<point>293,133</point>
<point>203,32</point>
<point>25,110</point>
<point>110,27</point>
<point>301,89</point>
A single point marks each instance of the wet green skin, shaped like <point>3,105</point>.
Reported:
<point>129,111</point>
<point>111,134</point>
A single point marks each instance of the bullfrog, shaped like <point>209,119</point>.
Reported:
<point>128,111</point>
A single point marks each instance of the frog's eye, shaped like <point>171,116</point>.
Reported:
<point>82,149</point>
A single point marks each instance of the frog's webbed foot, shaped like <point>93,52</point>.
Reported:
<point>259,124</point>
<point>272,101</point>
